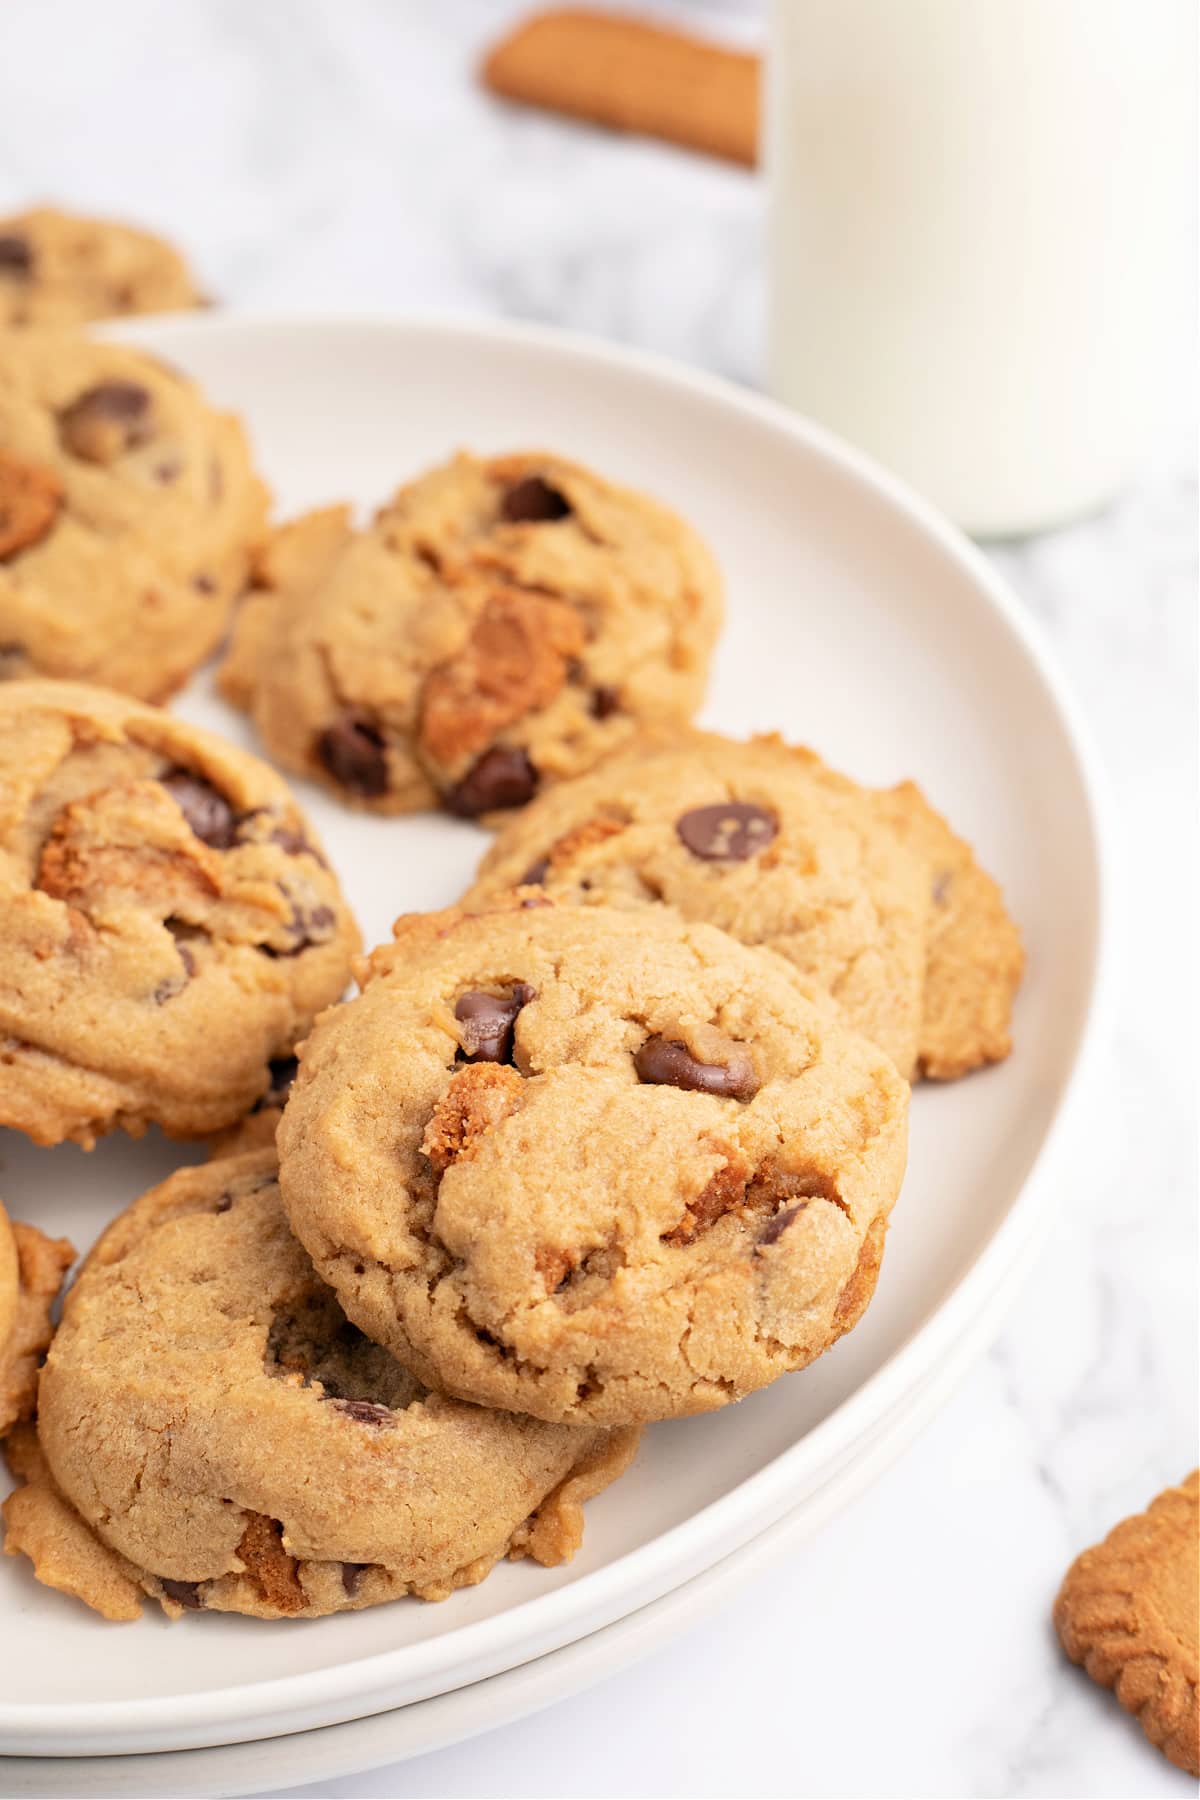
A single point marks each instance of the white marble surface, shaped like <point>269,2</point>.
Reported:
<point>337,155</point>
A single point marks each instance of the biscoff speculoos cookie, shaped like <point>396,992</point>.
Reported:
<point>169,926</point>
<point>588,1164</point>
<point>501,624</point>
<point>212,1431</point>
<point>128,512</point>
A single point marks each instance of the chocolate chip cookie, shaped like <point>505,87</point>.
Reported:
<point>168,924</point>
<point>229,1442</point>
<point>128,509</point>
<point>32,1267</point>
<point>870,896</point>
<point>503,623</point>
<point>57,268</point>
<point>591,1164</point>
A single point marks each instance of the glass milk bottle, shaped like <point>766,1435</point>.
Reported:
<point>979,242</point>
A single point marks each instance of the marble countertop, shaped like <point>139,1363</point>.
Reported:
<point>318,155</point>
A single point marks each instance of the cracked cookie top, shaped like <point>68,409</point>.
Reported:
<point>168,924</point>
<point>59,268</point>
<point>128,509</point>
<point>223,1432</point>
<point>764,841</point>
<point>591,1164</point>
<point>502,623</point>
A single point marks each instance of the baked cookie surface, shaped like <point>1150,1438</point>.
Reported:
<point>1129,1611</point>
<point>168,925</point>
<point>501,624</point>
<point>869,895</point>
<point>762,840</point>
<point>591,1164</point>
<point>60,268</point>
<point>32,1267</point>
<point>228,1442</point>
<point>128,509</point>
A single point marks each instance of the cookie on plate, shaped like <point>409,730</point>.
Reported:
<point>128,510</point>
<point>168,924</point>
<point>214,1432</point>
<point>1129,1611</point>
<point>59,268</point>
<point>591,1164</point>
<point>870,896</point>
<point>501,624</point>
<point>32,1267</point>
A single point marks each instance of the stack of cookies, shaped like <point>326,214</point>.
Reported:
<point>613,1140</point>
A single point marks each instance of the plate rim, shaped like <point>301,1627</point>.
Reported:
<point>549,1621</point>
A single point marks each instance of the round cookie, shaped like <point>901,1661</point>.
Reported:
<point>501,624</point>
<point>760,839</point>
<point>591,1164</point>
<point>214,1420</point>
<point>57,268</point>
<point>128,509</point>
<point>32,1267</point>
<point>870,896</point>
<point>168,926</point>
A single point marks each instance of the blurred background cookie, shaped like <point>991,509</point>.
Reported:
<point>128,509</point>
<point>59,268</point>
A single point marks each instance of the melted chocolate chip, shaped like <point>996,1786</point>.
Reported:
<point>206,810</point>
<point>728,832</point>
<point>503,776</point>
<point>204,584</point>
<point>352,750</point>
<point>184,1593</point>
<point>533,502</point>
<point>314,925</point>
<point>605,702</point>
<point>107,421</point>
<point>224,1204</point>
<point>14,662</point>
<point>352,1574</point>
<point>536,873</point>
<point>665,1062</point>
<point>367,1412</point>
<point>283,1071</point>
<point>16,255</point>
<point>941,887</point>
<point>774,1228</point>
<point>487,1021</point>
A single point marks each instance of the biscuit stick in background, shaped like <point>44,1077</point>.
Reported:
<point>632,76</point>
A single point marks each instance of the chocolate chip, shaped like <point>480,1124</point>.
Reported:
<point>665,1062</point>
<point>314,925</point>
<point>774,1228</point>
<point>224,1204</point>
<point>728,832</point>
<point>206,810</point>
<point>487,1021</point>
<point>294,843</point>
<point>283,1071</point>
<point>352,751</point>
<point>533,502</point>
<point>107,421</point>
<point>184,1593</point>
<point>204,584</point>
<point>941,887</point>
<point>352,1574</point>
<point>16,255</point>
<point>14,662</point>
<point>367,1412</point>
<point>536,873</point>
<point>503,776</point>
<point>605,701</point>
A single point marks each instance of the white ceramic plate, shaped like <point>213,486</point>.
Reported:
<point>858,623</point>
<point>443,1719</point>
